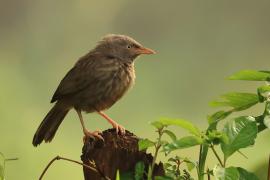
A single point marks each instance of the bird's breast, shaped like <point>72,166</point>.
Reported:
<point>112,83</point>
<point>120,81</point>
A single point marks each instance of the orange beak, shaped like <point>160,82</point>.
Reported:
<point>143,50</point>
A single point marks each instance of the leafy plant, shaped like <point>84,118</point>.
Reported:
<point>146,143</point>
<point>172,167</point>
<point>236,134</point>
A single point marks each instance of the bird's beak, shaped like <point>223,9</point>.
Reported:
<point>143,50</point>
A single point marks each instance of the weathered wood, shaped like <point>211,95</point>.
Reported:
<point>117,152</point>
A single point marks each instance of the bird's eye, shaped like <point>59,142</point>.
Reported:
<point>129,46</point>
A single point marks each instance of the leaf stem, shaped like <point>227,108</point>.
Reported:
<point>157,148</point>
<point>202,160</point>
<point>199,164</point>
<point>217,156</point>
<point>70,160</point>
<point>208,174</point>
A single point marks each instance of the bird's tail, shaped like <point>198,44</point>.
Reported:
<point>50,124</point>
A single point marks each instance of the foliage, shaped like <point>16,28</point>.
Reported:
<point>221,173</point>
<point>139,170</point>
<point>236,134</point>
<point>117,175</point>
<point>145,143</point>
<point>241,133</point>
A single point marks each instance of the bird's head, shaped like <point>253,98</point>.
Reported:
<point>122,47</point>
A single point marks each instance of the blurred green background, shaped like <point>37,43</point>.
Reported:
<point>199,43</point>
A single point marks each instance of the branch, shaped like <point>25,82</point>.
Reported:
<point>208,174</point>
<point>158,146</point>
<point>70,160</point>
<point>216,154</point>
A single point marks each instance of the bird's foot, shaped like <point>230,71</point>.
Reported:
<point>95,134</point>
<point>114,124</point>
<point>118,128</point>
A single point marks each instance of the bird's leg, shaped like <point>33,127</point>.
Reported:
<point>86,132</point>
<point>117,126</point>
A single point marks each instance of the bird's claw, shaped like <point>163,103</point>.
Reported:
<point>94,135</point>
<point>114,124</point>
<point>119,128</point>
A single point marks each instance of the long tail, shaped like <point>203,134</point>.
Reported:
<point>50,124</point>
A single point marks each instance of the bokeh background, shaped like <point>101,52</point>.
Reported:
<point>199,43</point>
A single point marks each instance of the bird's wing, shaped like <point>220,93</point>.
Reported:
<point>78,78</point>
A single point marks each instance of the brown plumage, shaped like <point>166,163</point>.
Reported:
<point>95,83</point>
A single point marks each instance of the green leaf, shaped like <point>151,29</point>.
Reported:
<point>163,178</point>
<point>267,108</point>
<point>190,164</point>
<point>163,142</point>
<point>230,173</point>
<point>149,173</point>
<point>250,75</point>
<point>216,117</point>
<point>260,123</point>
<point>183,124</point>
<point>139,170</point>
<point>263,92</point>
<point>233,173</point>
<point>182,143</point>
<point>167,165</point>
<point>173,159</point>
<point>128,175</point>
<point>239,101</point>
<point>157,124</point>
<point>171,134</point>
<point>245,175</point>
<point>117,175</point>
<point>217,137</point>
<point>145,143</point>
<point>264,89</point>
<point>241,132</point>
<point>266,121</point>
<point>264,71</point>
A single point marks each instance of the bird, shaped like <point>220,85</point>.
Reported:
<point>94,84</point>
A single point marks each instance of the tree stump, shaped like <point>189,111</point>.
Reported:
<point>117,152</point>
